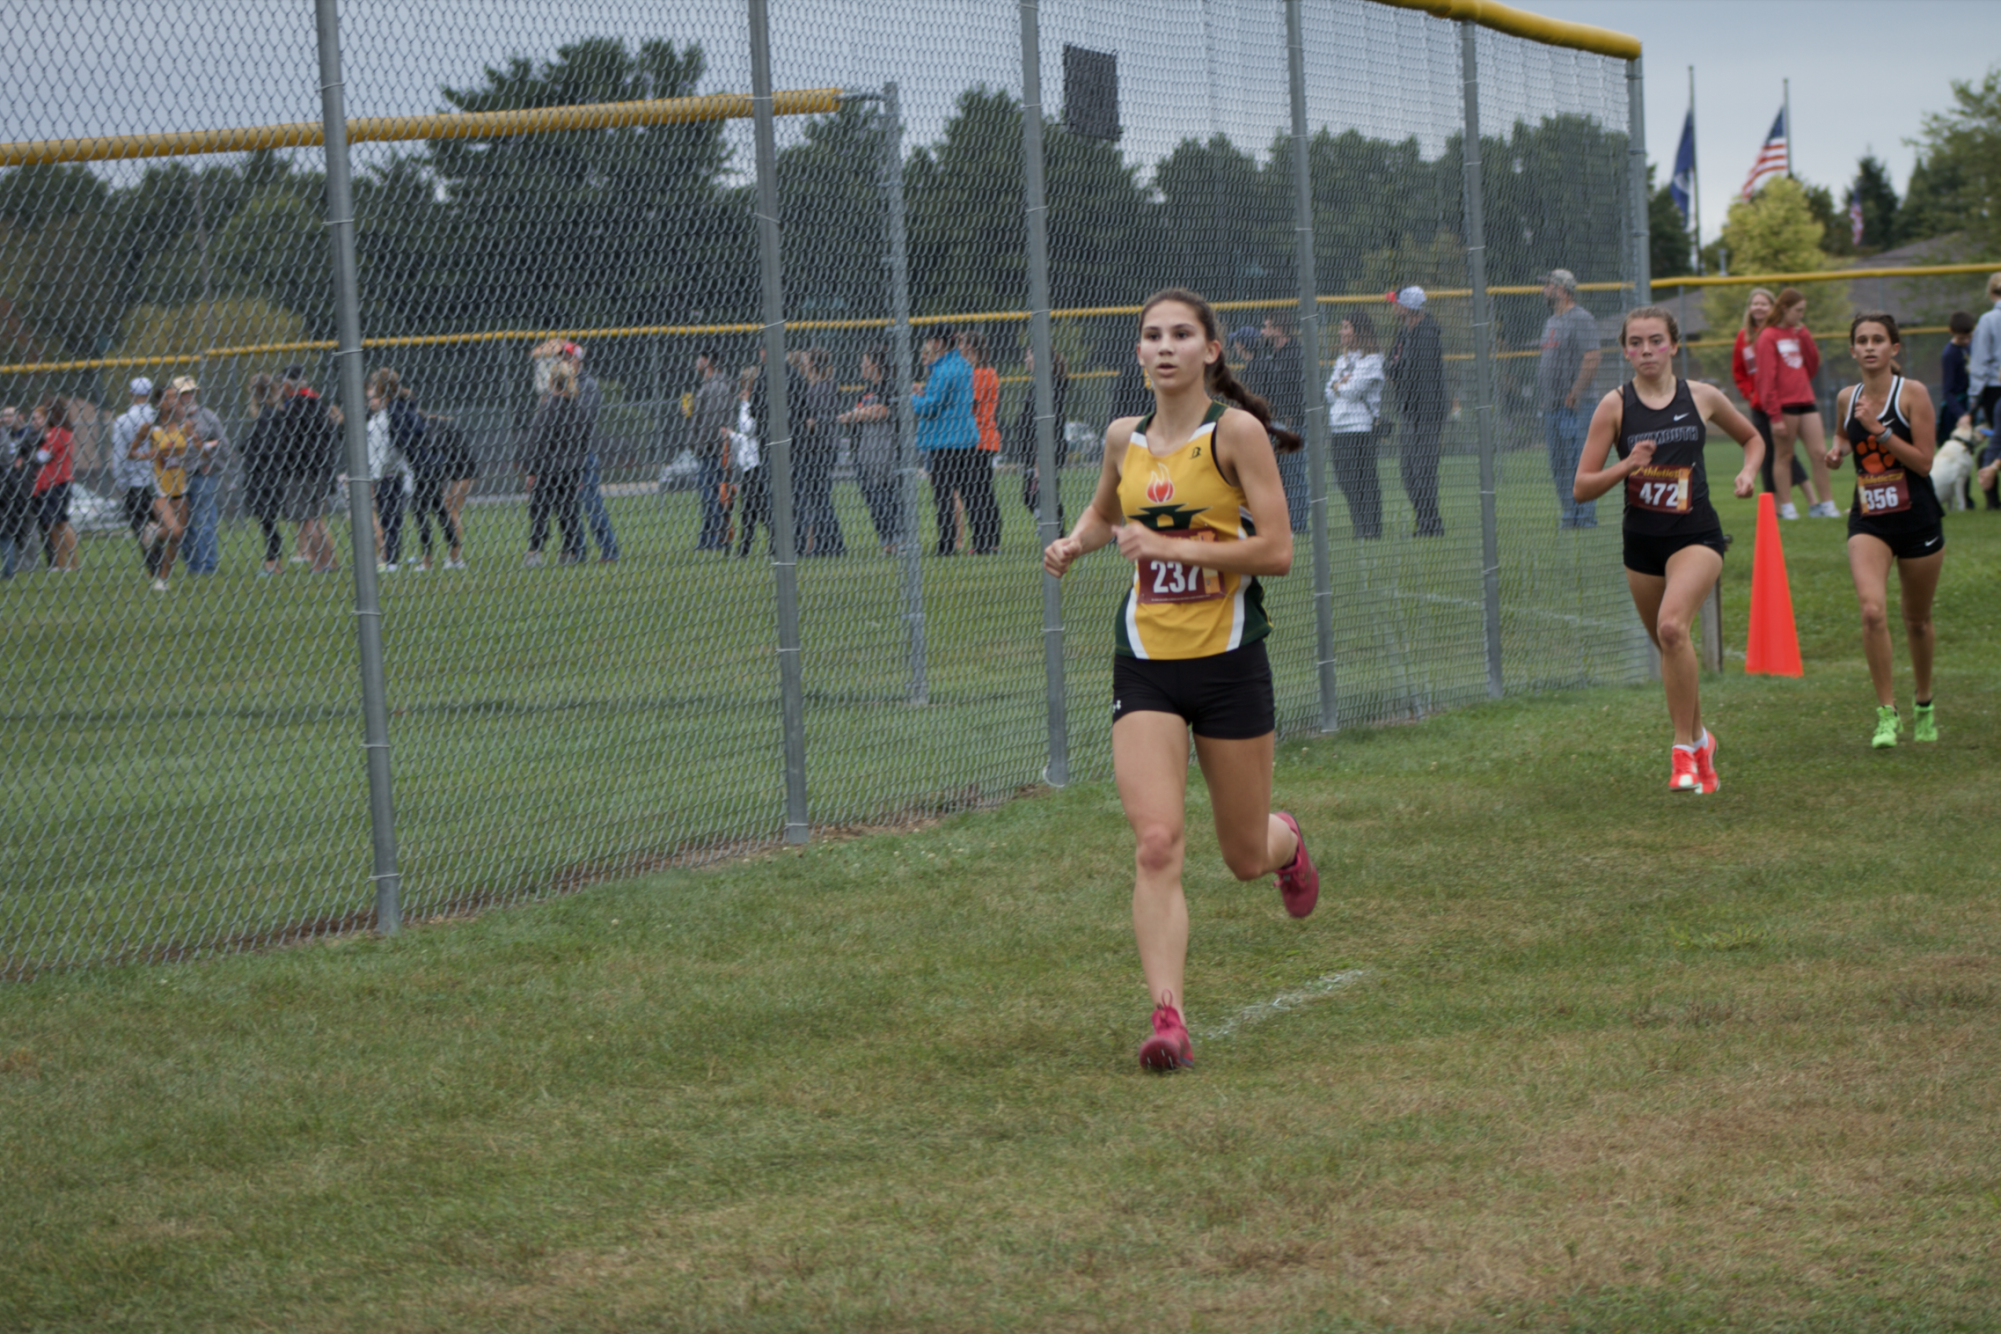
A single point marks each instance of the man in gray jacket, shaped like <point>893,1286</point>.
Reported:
<point>709,436</point>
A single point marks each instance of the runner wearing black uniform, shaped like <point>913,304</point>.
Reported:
<point>1674,541</point>
<point>1888,421</point>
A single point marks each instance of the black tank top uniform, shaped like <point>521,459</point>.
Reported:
<point>1670,496</point>
<point>1890,499</point>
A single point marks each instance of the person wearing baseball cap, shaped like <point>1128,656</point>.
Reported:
<point>1415,374</point>
<point>1569,364</point>
<point>135,472</point>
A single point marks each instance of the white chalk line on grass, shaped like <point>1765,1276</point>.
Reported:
<point>1281,1004</point>
<point>1538,612</point>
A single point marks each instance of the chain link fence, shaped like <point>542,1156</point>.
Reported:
<point>613,509</point>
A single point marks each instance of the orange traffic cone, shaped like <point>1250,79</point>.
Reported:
<point>1773,646</point>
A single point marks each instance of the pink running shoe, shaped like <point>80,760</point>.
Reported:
<point>1168,1048</point>
<point>1705,766</point>
<point>1298,882</point>
<point>1682,776</point>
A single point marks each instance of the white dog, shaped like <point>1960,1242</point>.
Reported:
<point>1952,464</point>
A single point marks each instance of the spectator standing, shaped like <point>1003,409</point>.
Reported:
<point>1954,401</point>
<point>1354,402</point>
<point>387,473</point>
<point>558,441</point>
<point>1787,361</point>
<point>17,487</point>
<point>134,475</point>
<point>310,445</point>
<point>876,448</point>
<point>54,460</point>
<point>986,413</point>
<point>948,435</point>
<point>1744,370</point>
<point>1568,365</point>
<point>458,468</point>
<point>1983,386</point>
<point>1983,361</point>
<point>168,442</point>
<point>1281,380</point>
<point>1415,373</point>
<point>202,546</point>
<point>264,469</point>
<point>1026,449</point>
<point>713,413</point>
<point>747,456</point>
<point>590,478</point>
<point>816,526</point>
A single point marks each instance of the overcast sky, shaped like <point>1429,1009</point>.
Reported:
<point>1864,73</point>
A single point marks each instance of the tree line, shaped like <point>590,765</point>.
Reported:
<point>654,225</point>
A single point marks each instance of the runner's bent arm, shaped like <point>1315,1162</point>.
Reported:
<point>1094,526</point>
<point>1716,406</point>
<point>1594,479</point>
<point>1243,447</point>
<point>1837,448</point>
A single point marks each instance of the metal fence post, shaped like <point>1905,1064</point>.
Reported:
<point>1314,425</point>
<point>1636,165</point>
<point>906,416</point>
<point>360,503</point>
<point>1483,355</point>
<point>778,427</point>
<point>1035,213</point>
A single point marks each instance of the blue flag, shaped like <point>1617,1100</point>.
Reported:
<point>1682,185</point>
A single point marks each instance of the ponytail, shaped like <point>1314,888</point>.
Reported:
<point>1218,379</point>
<point>1221,383</point>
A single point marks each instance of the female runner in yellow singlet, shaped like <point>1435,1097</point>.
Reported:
<point>1190,492</point>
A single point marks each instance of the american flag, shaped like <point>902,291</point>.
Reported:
<point>1855,219</point>
<point>1773,158</point>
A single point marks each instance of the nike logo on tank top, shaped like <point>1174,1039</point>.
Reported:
<point>1176,609</point>
<point>1669,497</point>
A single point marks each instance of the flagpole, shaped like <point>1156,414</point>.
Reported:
<point>1695,175</point>
<point>1787,84</point>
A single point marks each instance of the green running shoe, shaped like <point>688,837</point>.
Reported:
<point>1924,727</point>
<point>1887,727</point>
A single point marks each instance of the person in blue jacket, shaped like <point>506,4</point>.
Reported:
<point>948,435</point>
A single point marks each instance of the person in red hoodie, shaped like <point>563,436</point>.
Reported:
<point>1787,360</point>
<point>1743,369</point>
<point>56,455</point>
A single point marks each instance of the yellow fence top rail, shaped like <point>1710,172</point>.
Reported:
<point>1535,27</point>
<point>1821,276</point>
<point>921,321</point>
<point>389,129</point>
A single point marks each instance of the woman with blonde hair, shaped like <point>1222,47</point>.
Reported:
<point>1744,370</point>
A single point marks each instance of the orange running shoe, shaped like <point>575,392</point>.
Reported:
<point>1168,1048</point>
<point>1684,778</point>
<point>1705,765</point>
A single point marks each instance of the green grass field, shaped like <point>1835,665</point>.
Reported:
<point>1559,1051</point>
<point>196,780</point>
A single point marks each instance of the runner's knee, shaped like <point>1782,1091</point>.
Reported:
<point>1158,847</point>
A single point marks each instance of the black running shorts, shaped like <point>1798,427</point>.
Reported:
<point>1907,544</point>
<point>1226,696</point>
<point>1647,554</point>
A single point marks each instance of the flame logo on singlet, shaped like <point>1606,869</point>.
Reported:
<point>1160,485</point>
